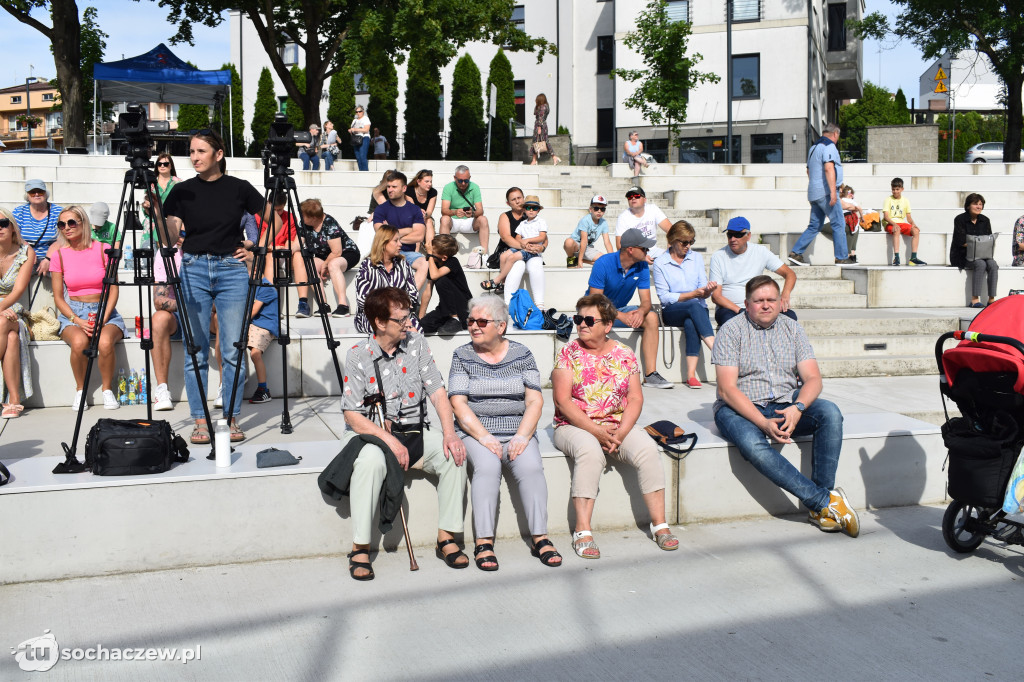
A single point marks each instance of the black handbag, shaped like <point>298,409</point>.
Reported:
<point>129,447</point>
<point>409,435</point>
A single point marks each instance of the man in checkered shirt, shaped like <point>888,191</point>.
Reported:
<point>768,388</point>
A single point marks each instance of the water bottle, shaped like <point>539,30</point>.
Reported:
<point>129,259</point>
<point>122,387</point>
<point>132,384</point>
<point>222,443</point>
<point>143,397</point>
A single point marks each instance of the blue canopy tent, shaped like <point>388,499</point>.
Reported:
<point>160,76</point>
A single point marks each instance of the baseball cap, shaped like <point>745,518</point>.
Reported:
<point>636,190</point>
<point>532,200</point>
<point>34,184</point>
<point>634,237</point>
<point>737,224</point>
<point>598,199</point>
<point>98,213</point>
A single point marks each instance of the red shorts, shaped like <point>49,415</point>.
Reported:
<point>904,228</point>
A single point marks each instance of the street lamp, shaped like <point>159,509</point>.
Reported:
<point>28,109</point>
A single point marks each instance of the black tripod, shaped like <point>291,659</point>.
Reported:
<point>278,181</point>
<point>141,176</point>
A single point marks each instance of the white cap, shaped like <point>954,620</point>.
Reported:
<point>599,199</point>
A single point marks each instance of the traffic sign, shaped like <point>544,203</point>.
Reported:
<point>941,75</point>
<point>941,87</point>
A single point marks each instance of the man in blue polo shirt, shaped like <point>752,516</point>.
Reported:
<point>618,275</point>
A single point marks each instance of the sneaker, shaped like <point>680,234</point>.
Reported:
<point>260,395</point>
<point>303,310</point>
<point>842,512</point>
<point>916,261</point>
<point>896,261</point>
<point>655,380</point>
<point>110,401</point>
<point>219,402</point>
<point>76,403</point>
<point>846,261</point>
<point>796,258</point>
<point>824,522</point>
<point>162,398</point>
<point>571,261</point>
<point>853,259</point>
<point>341,311</point>
<point>450,326</point>
<point>693,383</point>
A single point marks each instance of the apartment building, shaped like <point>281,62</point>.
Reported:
<point>19,99</point>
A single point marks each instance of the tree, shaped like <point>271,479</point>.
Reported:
<point>222,116</point>
<point>341,99</point>
<point>263,112</point>
<point>65,36</point>
<point>993,27</point>
<point>901,108</point>
<point>193,117</point>
<point>382,82</point>
<point>333,33</point>
<point>668,73</point>
<point>422,101</point>
<point>971,128</point>
<point>500,75</point>
<point>466,131</point>
<point>293,108</point>
<point>875,108</point>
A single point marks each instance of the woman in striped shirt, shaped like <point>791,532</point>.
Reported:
<point>385,267</point>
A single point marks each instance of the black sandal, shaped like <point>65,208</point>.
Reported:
<point>481,560</point>
<point>353,565</point>
<point>450,559</point>
<point>492,286</point>
<point>546,557</point>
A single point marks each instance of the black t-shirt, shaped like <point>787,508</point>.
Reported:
<point>453,290</point>
<point>212,212</point>
<point>410,192</point>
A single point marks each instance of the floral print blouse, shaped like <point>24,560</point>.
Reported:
<point>600,383</point>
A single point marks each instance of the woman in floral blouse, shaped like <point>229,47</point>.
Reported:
<point>385,267</point>
<point>597,403</point>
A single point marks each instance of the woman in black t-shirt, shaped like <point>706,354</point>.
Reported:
<point>422,193</point>
<point>208,210</point>
<point>334,252</point>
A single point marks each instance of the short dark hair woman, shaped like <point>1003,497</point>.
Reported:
<point>972,222</point>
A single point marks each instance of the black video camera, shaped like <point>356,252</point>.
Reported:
<point>281,142</point>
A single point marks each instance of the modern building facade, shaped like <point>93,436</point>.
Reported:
<point>37,97</point>
<point>792,63</point>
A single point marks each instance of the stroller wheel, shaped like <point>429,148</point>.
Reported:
<point>955,530</point>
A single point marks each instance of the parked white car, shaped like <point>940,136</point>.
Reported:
<point>986,151</point>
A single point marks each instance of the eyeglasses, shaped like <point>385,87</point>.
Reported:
<point>686,242</point>
<point>642,248</point>
<point>163,164</point>
<point>478,321</point>
<point>36,191</point>
<point>735,234</point>
<point>633,196</point>
<point>61,225</point>
<point>531,207</point>
<point>359,111</point>
<point>599,208</point>
<point>402,321</point>
<point>461,181</point>
<point>4,223</point>
<point>588,320</point>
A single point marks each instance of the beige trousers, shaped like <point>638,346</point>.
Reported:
<point>638,450</point>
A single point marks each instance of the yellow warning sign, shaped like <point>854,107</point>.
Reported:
<point>941,75</point>
<point>941,87</point>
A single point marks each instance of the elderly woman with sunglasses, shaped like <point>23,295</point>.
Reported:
<point>79,266</point>
<point>494,388</point>
<point>598,400</point>
<point>16,263</point>
<point>683,290</point>
<point>37,220</point>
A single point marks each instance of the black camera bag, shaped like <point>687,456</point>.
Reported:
<point>128,447</point>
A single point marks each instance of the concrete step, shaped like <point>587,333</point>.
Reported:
<point>892,287</point>
<point>805,300</point>
<point>873,248</point>
<point>892,365</point>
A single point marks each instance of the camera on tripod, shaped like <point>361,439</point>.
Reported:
<point>136,129</point>
<point>281,142</point>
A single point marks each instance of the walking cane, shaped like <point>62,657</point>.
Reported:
<point>376,414</point>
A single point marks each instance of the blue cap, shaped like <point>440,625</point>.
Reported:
<point>738,224</point>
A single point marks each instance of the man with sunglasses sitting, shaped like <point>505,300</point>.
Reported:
<point>462,207</point>
<point>618,275</point>
<point>734,265</point>
<point>641,216</point>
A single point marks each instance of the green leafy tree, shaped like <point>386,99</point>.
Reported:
<point>422,101</point>
<point>93,45</point>
<point>993,27</point>
<point>193,117</point>
<point>341,100</point>
<point>382,82</point>
<point>293,108</point>
<point>333,33</point>
<point>663,85</point>
<point>971,128</point>
<point>263,112</point>
<point>902,110</point>
<point>501,76</point>
<point>222,116</point>
<point>65,37</point>
<point>875,108</point>
<point>466,131</point>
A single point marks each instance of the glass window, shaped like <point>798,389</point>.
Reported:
<point>360,85</point>
<point>746,10</point>
<point>766,148</point>
<point>836,27</point>
<point>605,127</point>
<point>47,96</point>
<point>746,76</point>
<point>519,17</point>
<point>658,148</point>
<point>707,149</point>
<point>678,10</point>
<point>14,125</point>
<point>54,120</point>
<point>519,93</point>
<point>15,99</point>
<point>605,54</point>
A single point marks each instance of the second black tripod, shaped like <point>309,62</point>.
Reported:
<point>279,182</point>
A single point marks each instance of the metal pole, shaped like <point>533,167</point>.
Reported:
<point>728,81</point>
<point>28,110</point>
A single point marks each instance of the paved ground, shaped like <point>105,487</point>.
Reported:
<point>772,599</point>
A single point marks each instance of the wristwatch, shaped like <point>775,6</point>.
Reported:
<point>800,406</point>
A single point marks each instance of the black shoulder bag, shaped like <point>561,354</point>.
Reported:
<point>409,435</point>
<point>128,447</point>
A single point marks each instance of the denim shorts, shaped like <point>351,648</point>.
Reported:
<point>412,256</point>
<point>624,309</point>
<point>527,255</point>
<point>82,310</point>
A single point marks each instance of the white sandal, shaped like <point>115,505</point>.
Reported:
<point>664,539</point>
<point>579,544</point>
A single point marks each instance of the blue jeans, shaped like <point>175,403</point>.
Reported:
<point>207,280</point>
<point>309,162</point>
<point>820,209</point>
<point>693,318</point>
<point>362,151</point>
<point>328,159</point>
<point>822,419</point>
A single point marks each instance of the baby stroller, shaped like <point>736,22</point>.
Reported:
<point>984,376</point>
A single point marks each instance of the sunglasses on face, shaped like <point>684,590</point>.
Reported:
<point>686,242</point>
<point>4,223</point>
<point>641,248</point>
<point>598,208</point>
<point>61,225</point>
<point>733,234</point>
<point>633,196</point>
<point>531,208</point>
<point>163,164</point>
<point>478,321</point>
<point>587,321</point>
<point>461,181</point>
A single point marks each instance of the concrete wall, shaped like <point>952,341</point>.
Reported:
<point>903,144</point>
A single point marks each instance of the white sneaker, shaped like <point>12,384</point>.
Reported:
<point>110,401</point>
<point>219,402</point>
<point>77,401</point>
<point>162,396</point>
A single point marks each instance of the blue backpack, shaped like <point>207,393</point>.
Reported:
<point>524,312</point>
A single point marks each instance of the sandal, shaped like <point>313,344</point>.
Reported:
<point>237,434</point>
<point>492,286</point>
<point>580,545</point>
<point>546,558</point>
<point>666,541</point>
<point>353,565</point>
<point>482,560</point>
<point>200,435</point>
<point>12,411</point>
<point>451,557</point>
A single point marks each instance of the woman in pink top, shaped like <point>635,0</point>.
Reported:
<point>80,265</point>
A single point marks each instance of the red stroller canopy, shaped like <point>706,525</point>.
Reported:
<point>1004,317</point>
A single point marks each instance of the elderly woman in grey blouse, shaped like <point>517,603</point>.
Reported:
<point>494,388</point>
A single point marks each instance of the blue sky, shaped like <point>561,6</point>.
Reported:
<point>136,27</point>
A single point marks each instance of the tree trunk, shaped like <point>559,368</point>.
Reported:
<point>311,100</point>
<point>67,57</point>
<point>1014,118</point>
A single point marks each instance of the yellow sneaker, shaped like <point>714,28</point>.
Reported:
<point>824,521</point>
<point>842,512</point>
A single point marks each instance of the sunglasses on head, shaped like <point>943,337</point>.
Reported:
<point>478,321</point>
<point>4,223</point>
<point>587,320</point>
<point>735,234</point>
<point>598,208</point>
<point>70,223</point>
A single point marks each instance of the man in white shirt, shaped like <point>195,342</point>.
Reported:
<point>643,216</point>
